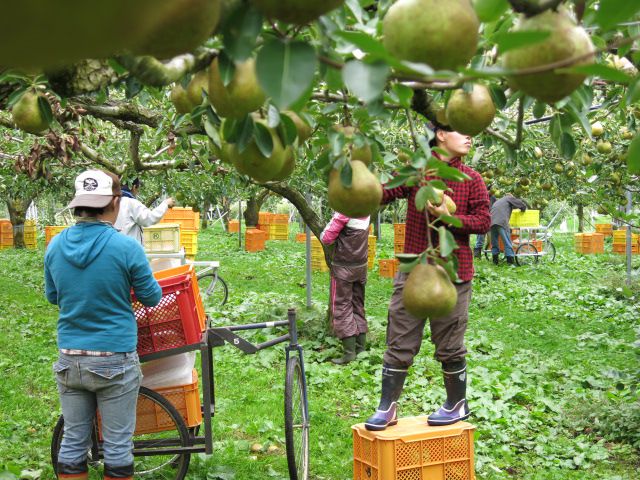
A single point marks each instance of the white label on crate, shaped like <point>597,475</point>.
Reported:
<point>270,324</point>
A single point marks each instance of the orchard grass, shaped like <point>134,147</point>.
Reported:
<point>551,356</point>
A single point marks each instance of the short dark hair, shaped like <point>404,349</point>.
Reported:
<point>136,182</point>
<point>434,126</point>
<point>87,212</point>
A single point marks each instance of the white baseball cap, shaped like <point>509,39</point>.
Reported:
<point>94,189</point>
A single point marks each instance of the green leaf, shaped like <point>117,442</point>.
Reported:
<point>453,221</point>
<point>364,42</point>
<point>512,40</point>
<point>567,145</point>
<point>241,31</point>
<point>633,155</point>
<point>212,133</point>
<point>15,96</point>
<point>450,266</point>
<point>498,96</point>
<point>227,68</point>
<point>263,139</point>
<point>346,175</point>
<point>490,10</point>
<point>286,70</point>
<point>287,130</point>
<point>604,72</point>
<point>396,181</point>
<point>538,109</point>
<point>446,241</point>
<point>422,197</point>
<point>45,109</point>
<point>404,94</point>
<point>406,267</point>
<point>132,87</point>
<point>611,12</point>
<point>446,172</point>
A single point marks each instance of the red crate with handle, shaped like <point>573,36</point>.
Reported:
<point>173,323</point>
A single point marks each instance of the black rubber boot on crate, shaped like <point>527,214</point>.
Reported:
<point>361,343</point>
<point>348,351</point>
<point>496,259</point>
<point>118,473</point>
<point>387,412</point>
<point>455,408</point>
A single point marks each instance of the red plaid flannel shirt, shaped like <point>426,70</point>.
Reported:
<point>472,202</point>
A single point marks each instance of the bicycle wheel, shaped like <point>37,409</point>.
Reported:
<point>548,253</point>
<point>527,254</point>
<point>296,421</point>
<point>159,430</point>
<point>213,288</point>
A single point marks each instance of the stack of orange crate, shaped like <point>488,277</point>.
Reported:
<point>234,226</point>
<point>589,243</point>
<point>264,220</point>
<point>388,267</point>
<point>279,227</point>
<point>620,242</point>
<point>605,228</point>
<point>189,222</point>
<point>301,237</point>
<point>254,240</point>
<point>6,233</point>
<point>51,231</point>
<point>398,237</point>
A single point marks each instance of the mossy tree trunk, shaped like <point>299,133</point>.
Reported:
<point>252,210</point>
<point>580,217</point>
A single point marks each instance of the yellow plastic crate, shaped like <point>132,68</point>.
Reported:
<point>620,237</point>
<point>412,450</point>
<point>278,231</point>
<point>162,238</point>
<point>530,218</point>
<point>183,216</point>
<point>189,240</point>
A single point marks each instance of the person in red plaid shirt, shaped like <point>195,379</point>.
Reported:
<point>404,331</point>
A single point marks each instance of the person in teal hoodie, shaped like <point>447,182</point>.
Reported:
<point>90,270</point>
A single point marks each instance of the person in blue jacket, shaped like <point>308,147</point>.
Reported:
<point>90,270</point>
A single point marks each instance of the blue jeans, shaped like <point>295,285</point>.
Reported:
<point>497,230</point>
<point>109,384</point>
<point>480,241</point>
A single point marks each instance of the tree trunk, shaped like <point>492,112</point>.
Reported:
<point>254,204</point>
<point>17,214</point>
<point>580,218</point>
<point>205,211</point>
<point>225,205</point>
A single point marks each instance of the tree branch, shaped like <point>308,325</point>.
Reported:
<point>120,111</point>
<point>97,158</point>
<point>520,124</point>
<point>298,200</point>
<point>134,149</point>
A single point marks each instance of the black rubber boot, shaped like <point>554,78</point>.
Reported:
<point>512,261</point>
<point>477,252</point>
<point>455,408</point>
<point>118,473</point>
<point>392,383</point>
<point>495,259</point>
<point>361,343</point>
<point>67,471</point>
<point>348,351</point>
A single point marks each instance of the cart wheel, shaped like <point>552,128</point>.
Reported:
<point>296,421</point>
<point>527,254</point>
<point>154,452</point>
<point>548,253</point>
<point>214,288</point>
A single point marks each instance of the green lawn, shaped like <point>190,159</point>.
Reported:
<point>552,360</point>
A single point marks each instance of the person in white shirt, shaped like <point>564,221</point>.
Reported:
<point>134,215</point>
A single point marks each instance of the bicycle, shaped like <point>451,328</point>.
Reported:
<point>530,246</point>
<point>212,285</point>
<point>163,444</point>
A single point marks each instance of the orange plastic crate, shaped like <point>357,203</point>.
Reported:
<point>301,237</point>
<point>604,228</point>
<point>621,249</point>
<point>254,240</point>
<point>399,230</point>
<point>234,226</point>
<point>6,233</point>
<point>398,247</point>
<point>264,218</point>
<point>279,219</point>
<point>181,271</point>
<point>173,322</point>
<point>388,267</point>
<point>184,216</point>
<point>51,231</point>
<point>412,450</point>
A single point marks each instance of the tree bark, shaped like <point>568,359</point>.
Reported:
<point>17,214</point>
<point>225,205</point>
<point>252,210</point>
<point>580,217</point>
<point>205,210</point>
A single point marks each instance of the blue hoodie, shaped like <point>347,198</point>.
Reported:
<point>90,270</point>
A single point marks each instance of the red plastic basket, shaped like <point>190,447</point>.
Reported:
<point>173,322</point>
